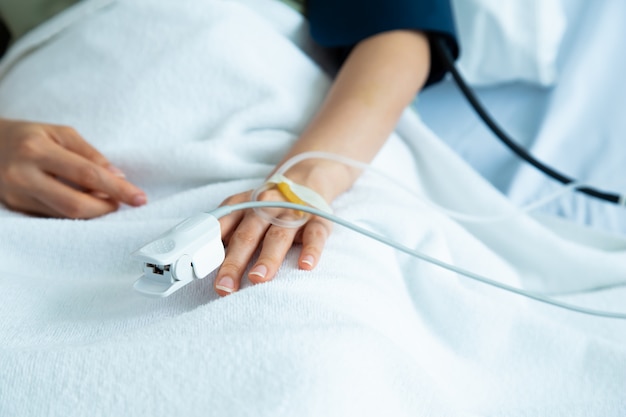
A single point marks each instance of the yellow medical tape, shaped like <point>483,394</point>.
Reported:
<point>298,194</point>
<point>289,195</point>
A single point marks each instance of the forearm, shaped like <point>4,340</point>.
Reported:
<point>379,79</point>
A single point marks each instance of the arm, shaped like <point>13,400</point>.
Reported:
<point>379,79</point>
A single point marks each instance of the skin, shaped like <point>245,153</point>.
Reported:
<point>52,171</point>
<point>379,79</point>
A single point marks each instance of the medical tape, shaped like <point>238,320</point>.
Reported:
<point>298,194</point>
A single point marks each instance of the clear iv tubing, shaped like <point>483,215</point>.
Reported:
<point>225,210</point>
<point>566,189</point>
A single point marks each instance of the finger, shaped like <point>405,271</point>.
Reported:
<point>69,202</point>
<point>29,205</point>
<point>229,222</point>
<point>228,225</point>
<point>70,139</point>
<point>80,171</point>
<point>277,241</point>
<point>242,245</point>
<point>314,236</point>
<point>31,184</point>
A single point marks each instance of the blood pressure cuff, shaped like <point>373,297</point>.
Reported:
<point>343,23</point>
<point>5,38</point>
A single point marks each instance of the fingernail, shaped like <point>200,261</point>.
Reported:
<point>116,171</point>
<point>258,271</point>
<point>139,200</point>
<point>308,260</point>
<point>226,284</point>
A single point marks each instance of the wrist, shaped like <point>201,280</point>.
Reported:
<point>328,178</point>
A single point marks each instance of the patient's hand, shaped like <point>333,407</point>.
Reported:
<point>378,80</point>
<point>52,171</point>
<point>244,231</point>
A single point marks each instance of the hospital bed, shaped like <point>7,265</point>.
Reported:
<point>194,109</point>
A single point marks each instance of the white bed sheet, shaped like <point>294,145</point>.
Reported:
<point>369,332</point>
<point>576,126</point>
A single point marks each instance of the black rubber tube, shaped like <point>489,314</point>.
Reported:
<point>441,50</point>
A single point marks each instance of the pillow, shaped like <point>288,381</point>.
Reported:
<point>510,40</point>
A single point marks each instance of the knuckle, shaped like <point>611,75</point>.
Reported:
<point>325,226</point>
<point>272,261</point>
<point>63,135</point>
<point>66,133</point>
<point>279,233</point>
<point>316,231</point>
<point>89,176</point>
<point>312,250</point>
<point>11,175</point>
<point>231,268</point>
<point>68,130</point>
<point>30,146</point>
<point>74,209</point>
<point>237,198</point>
<point>271,195</point>
<point>244,237</point>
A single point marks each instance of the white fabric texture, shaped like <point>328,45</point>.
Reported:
<point>515,40</point>
<point>197,102</point>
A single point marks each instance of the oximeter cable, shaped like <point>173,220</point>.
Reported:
<point>441,49</point>
<point>226,210</point>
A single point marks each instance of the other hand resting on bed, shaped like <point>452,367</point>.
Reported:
<point>380,77</point>
<point>52,171</point>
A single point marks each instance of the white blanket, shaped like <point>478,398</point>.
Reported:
<point>196,102</point>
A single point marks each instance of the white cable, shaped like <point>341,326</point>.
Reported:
<point>225,210</point>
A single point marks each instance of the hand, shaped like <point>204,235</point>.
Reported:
<point>378,80</point>
<point>244,231</point>
<point>52,171</point>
